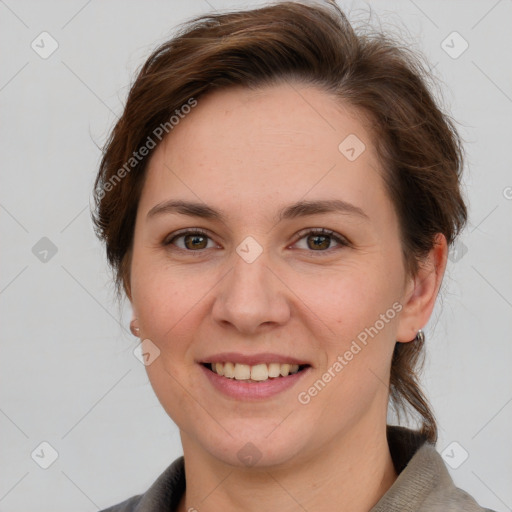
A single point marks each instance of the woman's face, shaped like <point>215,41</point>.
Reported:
<point>256,287</point>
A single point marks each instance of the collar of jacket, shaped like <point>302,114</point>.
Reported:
<point>423,483</point>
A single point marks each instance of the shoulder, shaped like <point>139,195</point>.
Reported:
<point>442,495</point>
<point>424,483</point>
<point>164,494</point>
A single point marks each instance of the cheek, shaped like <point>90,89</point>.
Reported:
<point>161,304</point>
<point>169,305</point>
<point>359,308</point>
<point>359,311</point>
<point>167,299</point>
<point>350,299</point>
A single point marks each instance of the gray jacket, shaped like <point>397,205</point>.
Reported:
<point>423,483</point>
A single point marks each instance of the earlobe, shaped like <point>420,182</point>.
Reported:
<point>134,327</point>
<point>421,294</point>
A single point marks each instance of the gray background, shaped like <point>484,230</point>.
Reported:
<point>69,376</point>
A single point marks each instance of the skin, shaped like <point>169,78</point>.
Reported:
<point>248,153</point>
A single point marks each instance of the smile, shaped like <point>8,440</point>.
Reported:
<point>254,373</point>
<point>249,377</point>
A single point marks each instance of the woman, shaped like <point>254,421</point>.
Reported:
<point>277,201</point>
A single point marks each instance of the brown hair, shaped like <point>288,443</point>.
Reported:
<point>418,145</point>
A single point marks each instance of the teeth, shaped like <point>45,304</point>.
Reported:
<point>242,371</point>
<point>257,372</point>
<point>285,369</point>
<point>274,370</point>
<point>228,370</point>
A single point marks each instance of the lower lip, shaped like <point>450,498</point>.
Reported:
<point>252,390</point>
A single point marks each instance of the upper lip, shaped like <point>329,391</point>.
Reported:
<point>252,359</point>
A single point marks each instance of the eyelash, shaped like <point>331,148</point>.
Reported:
<point>342,241</point>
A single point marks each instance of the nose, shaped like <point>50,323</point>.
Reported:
<point>252,297</point>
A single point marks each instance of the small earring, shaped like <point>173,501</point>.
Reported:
<point>133,328</point>
<point>420,337</point>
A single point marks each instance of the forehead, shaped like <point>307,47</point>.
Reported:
<point>247,148</point>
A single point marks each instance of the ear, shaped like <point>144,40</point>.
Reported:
<point>127,289</point>
<point>421,291</point>
<point>124,273</point>
<point>134,327</point>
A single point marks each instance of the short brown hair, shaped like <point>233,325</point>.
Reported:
<point>418,145</point>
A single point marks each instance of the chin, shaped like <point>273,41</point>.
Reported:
<point>262,444</point>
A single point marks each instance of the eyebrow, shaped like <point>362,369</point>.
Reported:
<point>293,211</point>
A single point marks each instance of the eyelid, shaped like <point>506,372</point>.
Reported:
<point>186,231</point>
<point>340,239</point>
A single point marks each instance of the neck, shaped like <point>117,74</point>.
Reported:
<point>352,473</point>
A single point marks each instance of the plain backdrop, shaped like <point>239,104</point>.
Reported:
<point>69,375</point>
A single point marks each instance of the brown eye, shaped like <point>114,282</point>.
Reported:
<point>320,240</point>
<point>192,241</point>
<point>195,241</point>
